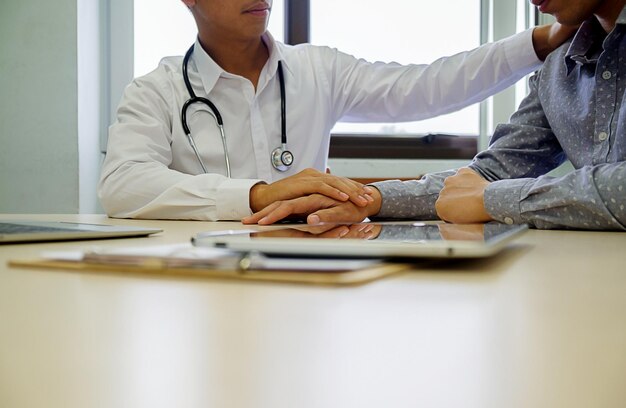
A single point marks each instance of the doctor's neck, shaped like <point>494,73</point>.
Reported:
<point>244,57</point>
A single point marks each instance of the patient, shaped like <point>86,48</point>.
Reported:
<point>574,111</point>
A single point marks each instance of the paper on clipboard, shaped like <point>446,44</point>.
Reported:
<point>187,255</point>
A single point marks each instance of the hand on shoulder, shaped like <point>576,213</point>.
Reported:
<point>547,38</point>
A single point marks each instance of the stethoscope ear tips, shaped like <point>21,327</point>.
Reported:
<point>282,159</point>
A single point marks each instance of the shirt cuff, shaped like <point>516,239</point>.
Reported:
<point>390,191</point>
<point>233,199</point>
<point>503,200</point>
<point>520,53</point>
<point>406,199</point>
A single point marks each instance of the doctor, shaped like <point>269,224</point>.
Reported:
<point>243,121</point>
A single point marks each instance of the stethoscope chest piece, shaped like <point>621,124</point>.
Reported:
<point>282,159</point>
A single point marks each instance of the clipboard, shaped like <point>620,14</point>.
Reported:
<point>324,278</point>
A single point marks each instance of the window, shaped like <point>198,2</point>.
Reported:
<point>404,31</point>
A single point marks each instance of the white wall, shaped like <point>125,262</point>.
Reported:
<point>39,136</point>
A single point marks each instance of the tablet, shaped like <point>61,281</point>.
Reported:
<point>369,240</point>
<point>19,231</point>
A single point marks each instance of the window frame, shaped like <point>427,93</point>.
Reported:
<point>498,20</point>
<point>119,51</point>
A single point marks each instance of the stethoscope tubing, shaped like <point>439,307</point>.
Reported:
<point>283,108</point>
<point>277,154</point>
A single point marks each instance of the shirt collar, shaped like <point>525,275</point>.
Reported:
<point>586,46</point>
<point>210,71</point>
<point>276,54</point>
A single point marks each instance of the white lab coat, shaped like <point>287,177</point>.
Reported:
<point>150,170</point>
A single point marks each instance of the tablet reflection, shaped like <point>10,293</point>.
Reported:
<point>390,232</point>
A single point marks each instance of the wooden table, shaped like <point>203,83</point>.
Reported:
<point>541,325</point>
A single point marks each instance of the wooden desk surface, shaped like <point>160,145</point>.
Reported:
<point>541,325</point>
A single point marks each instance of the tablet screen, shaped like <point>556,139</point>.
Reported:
<point>369,239</point>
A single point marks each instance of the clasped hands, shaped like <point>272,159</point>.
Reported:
<point>322,197</point>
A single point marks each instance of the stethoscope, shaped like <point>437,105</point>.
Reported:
<point>281,158</point>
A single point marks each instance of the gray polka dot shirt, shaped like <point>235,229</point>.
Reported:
<point>576,111</point>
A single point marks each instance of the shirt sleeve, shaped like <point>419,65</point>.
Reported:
<point>411,199</point>
<point>590,198</point>
<point>381,92</point>
<point>521,153</point>
<point>136,181</point>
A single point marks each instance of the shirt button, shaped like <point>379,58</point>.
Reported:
<point>606,75</point>
<point>508,220</point>
<point>602,136</point>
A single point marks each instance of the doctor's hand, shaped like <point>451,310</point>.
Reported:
<point>461,199</point>
<point>316,208</point>
<point>548,38</point>
<point>309,181</point>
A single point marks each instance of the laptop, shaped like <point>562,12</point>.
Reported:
<point>369,240</point>
<point>36,231</point>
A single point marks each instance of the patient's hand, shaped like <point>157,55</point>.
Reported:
<point>461,199</point>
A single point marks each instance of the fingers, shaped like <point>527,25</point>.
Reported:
<point>282,209</point>
<point>361,231</point>
<point>343,189</point>
<point>254,218</point>
<point>336,232</point>
<point>315,229</point>
<point>356,231</point>
<point>339,213</point>
<point>339,188</point>
<point>304,231</point>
